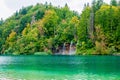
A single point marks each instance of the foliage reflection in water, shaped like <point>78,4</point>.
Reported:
<point>59,67</point>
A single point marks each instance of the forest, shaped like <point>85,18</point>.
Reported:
<point>44,29</point>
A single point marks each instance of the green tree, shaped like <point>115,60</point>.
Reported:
<point>27,43</point>
<point>66,13</point>
<point>119,3</point>
<point>50,21</point>
<point>74,24</point>
<point>84,23</point>
<point>83,34</point>
<point>23,11</point>
<point>39,14</point>
<point>96,4</point>
<point>99,3</point>
<point>108,18</point>
<point>113,2</point>
<point>1,21</point>
<point>24,21</point>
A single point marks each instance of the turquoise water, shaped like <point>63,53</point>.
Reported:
<point>59,67</point>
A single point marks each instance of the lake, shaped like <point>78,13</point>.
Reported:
<point>59,67</point>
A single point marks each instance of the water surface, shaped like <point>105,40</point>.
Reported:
<point>59,67</point>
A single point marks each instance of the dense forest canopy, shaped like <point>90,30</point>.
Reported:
<point>45,28</point>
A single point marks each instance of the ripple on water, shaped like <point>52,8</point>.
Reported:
<point>59,68</point>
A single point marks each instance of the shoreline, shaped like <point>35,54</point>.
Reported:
<point>114,54</point>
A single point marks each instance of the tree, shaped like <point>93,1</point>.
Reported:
<point>10,42</point>
<point>50,21</point>
<point>91,28</point>
<point>12,37</point>
<point>101,42</point>
<point>84,23</point>
<point>97,29</point>
<point>24,21</point>
<point>65,12</point>
<point>99,3</point>
<point>1,21</point>
<point>113,2</point>
<point>96,4</point>
<point>23,11</point>
<point>119,3</point>
<point>108,18</point>
<point>26,30</point>
<point>27,43</point>
<point>16,13</point>
<point>74,24</point>
<point>117,39</point>
<point>39,14</point>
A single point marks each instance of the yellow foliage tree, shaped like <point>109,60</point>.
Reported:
<point>12,37</point>
<point>26,30</point>
<point>100,43</point>
<point>11,40</point>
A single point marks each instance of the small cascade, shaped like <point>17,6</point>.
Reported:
<point>72,49</point>
<point>64,49</point>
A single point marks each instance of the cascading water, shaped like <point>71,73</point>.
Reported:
<point>72,49</point>
<point>64,48</point>
<point>68,51</point>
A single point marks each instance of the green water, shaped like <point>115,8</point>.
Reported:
<point>59,67</point>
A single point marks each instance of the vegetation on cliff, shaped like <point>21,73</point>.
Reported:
<point>45,28</point>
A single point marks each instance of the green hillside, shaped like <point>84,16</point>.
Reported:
<point>45,28</point>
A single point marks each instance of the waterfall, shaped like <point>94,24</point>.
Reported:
<point>63,50</point>
<point>72,49</point>
<point>68,49</point>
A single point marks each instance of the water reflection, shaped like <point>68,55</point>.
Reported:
<point>59,67</point>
